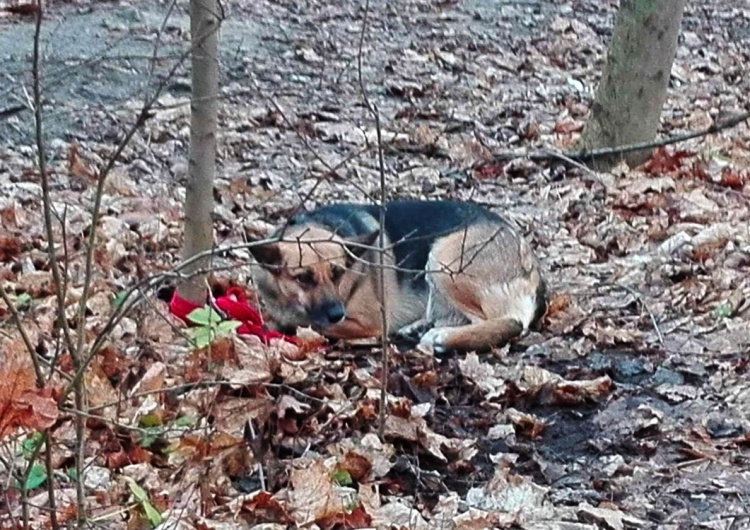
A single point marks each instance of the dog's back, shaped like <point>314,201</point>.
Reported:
<point>412,226</point>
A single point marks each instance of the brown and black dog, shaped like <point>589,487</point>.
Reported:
<point>455,269</point>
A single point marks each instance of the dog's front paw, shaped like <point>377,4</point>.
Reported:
<point>414,331</point>
<point>436,338</point>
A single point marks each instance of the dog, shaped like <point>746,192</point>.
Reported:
<point>456,275</point>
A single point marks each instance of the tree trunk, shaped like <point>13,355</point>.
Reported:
<point>204,34</point>
<point>633,88</point>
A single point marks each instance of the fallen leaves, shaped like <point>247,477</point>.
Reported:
<point>366,458</point>
<point>576,426</point>
<point>516,498</point>
<point>734,179</point>
<point>709,167</point>
<point>10,248</point>
<point>23,405</point>
<point>610,518</point>
<point>262,507</point>
<point>535,383</point>
<point>414,428</point>
<point>313,494</point>
<point>492,384</point>
<point>663,161</point>
<point>569,126</point>
<point>527,425</point>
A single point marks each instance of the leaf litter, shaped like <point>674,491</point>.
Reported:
<point>629,409</point>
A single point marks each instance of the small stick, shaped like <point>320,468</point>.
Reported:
<point>584,155</point>
<point>645,306</point>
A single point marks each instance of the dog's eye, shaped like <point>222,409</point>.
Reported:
<point>306,279</point>
<point>337,272</point>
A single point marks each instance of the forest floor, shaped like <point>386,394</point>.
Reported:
<point>629,409</point>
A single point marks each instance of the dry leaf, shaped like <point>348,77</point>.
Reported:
<point>22,404</point>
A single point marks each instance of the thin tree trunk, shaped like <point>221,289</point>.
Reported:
<point>204,30</point>
<point>634,83</point>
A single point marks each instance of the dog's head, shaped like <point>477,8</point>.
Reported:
<point>306,277</point>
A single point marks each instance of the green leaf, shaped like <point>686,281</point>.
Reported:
<point>31,444</point>
<point>723,311</point>
<point>209,326</point>
<point>201,336</point>
<point>23,300</point>
<point>152,514</point>
<point>149,436</point>
<point>138,492</point>
<point>36,477</point>
<point>185,421</point>
<point>150,420</point>
<point>226,328</point>
<point>204,316</point>
<point>119,299</point>
<point>141,497</point>
<point>342,477</point>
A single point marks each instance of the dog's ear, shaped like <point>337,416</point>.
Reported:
<point>357,245</point>
<point>268,256</point>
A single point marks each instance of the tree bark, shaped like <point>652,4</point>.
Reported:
<point>633,88</point>
<point>205,18</point>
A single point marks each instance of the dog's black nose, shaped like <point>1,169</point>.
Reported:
<point>327,313</point>
<point>335,312</point>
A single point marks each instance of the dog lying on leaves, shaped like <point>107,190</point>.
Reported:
<point>457,275</point>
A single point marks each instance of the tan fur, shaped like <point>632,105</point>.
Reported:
<point>483,282</point>
<point>487,282</point>
<point>480,335</point>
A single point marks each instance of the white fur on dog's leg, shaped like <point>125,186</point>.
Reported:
<point>436,339</point>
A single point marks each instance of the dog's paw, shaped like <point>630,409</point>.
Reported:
<point>413,332</point>
<point>436,339</point>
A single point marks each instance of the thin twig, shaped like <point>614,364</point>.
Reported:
<point>50,480</point>
<point>373,110</point>
<point>645,306</point>
<point>44,176</point>
<point>60,295</point>
<point>588,155</point>
<point>76,349</point>
<point>25,480</point>
<point>381,278</point>
<point>157,42</point>
<point>332,170</point>
<point>24,336</point>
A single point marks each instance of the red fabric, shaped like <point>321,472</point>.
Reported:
<point>233,306</point>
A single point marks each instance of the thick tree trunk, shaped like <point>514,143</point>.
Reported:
<point>204,34</point>
<point>634,83</point>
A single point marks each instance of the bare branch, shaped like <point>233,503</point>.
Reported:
<point>585,156</point>
<point>372,109</point>
<point>24,336</point>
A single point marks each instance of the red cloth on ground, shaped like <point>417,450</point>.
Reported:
<point>234,306</point>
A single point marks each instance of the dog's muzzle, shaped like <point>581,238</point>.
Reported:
<point>328,313</point>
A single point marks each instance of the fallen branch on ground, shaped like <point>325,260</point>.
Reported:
<point>586,155</point>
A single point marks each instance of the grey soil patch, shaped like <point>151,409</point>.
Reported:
<point>102,57</point>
